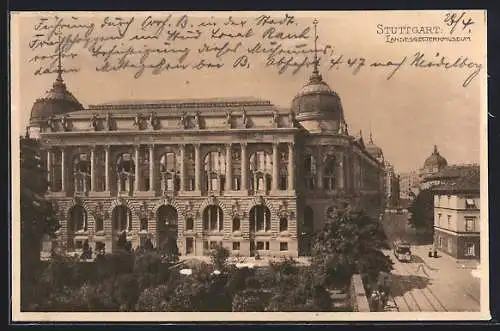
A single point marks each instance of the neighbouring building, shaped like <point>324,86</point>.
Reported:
<point>241,171</point>
<point>457,211</point>
<point>408,184</point>
<point>392,190</point>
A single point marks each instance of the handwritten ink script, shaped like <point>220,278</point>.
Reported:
<point>159,44</point>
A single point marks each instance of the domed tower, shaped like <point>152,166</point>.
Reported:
<point>374,150</point>
<point>58,100</point>
<point>434,163</point>
<point>317,108</point>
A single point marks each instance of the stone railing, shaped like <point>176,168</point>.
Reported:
<point>357,295</point>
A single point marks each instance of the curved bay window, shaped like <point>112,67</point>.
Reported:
<point>309,171</point>
<point>122,219</point>
<point>261,171</point>
<point>77,219</point>
<point>329,173</point>
<point>125,168</point>
<point>170,172</point>
<point>215,170</point>
<point>81,172</point>
<point>213,219</point>
<point>260,219</point>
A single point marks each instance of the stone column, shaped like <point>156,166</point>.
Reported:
<point>340,156</point>
<point>151,168</point>
<point>183,168</point>
<point>107,166</point>
<point>92,168</point>
<point>197,166</point>
<point>291,163</point>
<point>244,166</point>
<point>274,182</point>
<point>49,168</point>
<point>229,170</point>
<point>137,186</point>
<point>63,170</point>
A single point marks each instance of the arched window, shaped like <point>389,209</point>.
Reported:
<point>170,172</point>
<point>236,223</point>
<point>125,169</point>
<point>260,218</point>
<point>167,227</point>
<point>261,170</point>
<point>122,218</point>
<point>329,173</point>
<point>81,172</point>
<point>309,171</point>
<point>77,219</point>
<point>213,218</point>
<point>283,224</point>
<point>215,170</point>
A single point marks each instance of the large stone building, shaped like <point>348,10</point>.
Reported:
<point>457,211</point>
<point>241,172</point>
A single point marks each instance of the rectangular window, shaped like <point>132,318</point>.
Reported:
<point>267,245</point>
<point>189,224</point>
<point>449,221</point>
<point>470,204</point>
<point>470,249</point>
<point>189,245</point>
<point>205,245</point>
<point>439,220</point>
<point>260,245</point>
<point>470,224</point>
<point>283,246</point>
<point>236,183</point>
<point>78,244</point>
<point>236,246</point>
<point>191,183</point>
<point>213,244</point>
<point>283,182</point>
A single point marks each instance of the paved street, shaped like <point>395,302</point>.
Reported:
<point>429,284</point>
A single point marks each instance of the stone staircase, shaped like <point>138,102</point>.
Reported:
<point>340,300</point>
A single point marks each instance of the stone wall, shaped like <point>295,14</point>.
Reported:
<point>357,294</point>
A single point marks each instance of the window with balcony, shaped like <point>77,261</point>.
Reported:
<point>261,171</point>
<point>170,172</point>
<point>214,171</point>
<point>125,169</point>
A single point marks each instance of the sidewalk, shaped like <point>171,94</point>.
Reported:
<point>444,260</point>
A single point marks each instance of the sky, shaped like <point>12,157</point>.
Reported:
<point>408,114</point>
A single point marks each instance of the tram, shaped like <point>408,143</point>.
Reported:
<point>402,251</point>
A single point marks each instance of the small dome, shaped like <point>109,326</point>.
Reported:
<point>435,160</point>
<point>373,149</point>
<point>56,101</point>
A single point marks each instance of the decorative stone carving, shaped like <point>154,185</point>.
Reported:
<point>65,123</point>
<point>275,121</point>
<point>109,124</point>
<point>76,200</point>
<point>189,210</point>
<point>212,200</point>
<point>153,121</point>
<point>100,212</point>
<point>51,123</point>
<point>197,120</point>
<point>236,209</point>
<point>143,212</point>
<point>183,121</point>
<point>94,122</point>
<point>138,121</point>
<point>228,119</point>
<point>260,200</point>
<point>167,200</point>
<point>283,209</point>
<point>244,119</point>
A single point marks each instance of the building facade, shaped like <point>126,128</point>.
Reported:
<point>241,172</point>
<point>457,212</point>
<point>392,194</point>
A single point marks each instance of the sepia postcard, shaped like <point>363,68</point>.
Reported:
<point>249,166</point>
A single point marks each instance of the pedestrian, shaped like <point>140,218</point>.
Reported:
<point>420,267</point>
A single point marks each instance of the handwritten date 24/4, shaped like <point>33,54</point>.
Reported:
<point>456,20</point>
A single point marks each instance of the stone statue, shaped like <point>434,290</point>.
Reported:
<point>137,121</point>
<point>51,123</point>
<point>182,121</point>
<point>64,123</point>
<point>108,121</point>
<point>197,120</point>
<point>153,120</point>
<point>245,119</point>
<point>228,119</point>
<point>275,118</point>
<point>94,122</point>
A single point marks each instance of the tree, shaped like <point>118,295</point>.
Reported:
<point>422,211</point>
<point>219,256</point>
<point>38,217</point>
<point>350,242</point>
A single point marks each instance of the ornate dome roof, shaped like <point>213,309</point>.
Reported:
<point>58,100</point>
<point>435,160</point>
<point>373,149</point>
